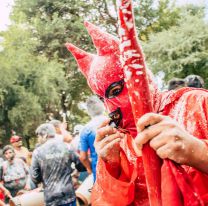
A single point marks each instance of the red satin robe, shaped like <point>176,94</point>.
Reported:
<point>189,107</point>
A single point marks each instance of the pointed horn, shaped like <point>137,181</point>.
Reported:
<point>83,58</point>
<point>105,43</point>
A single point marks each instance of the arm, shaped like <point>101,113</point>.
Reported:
<point>85,161</point>
<point>26,168</point>
<point>5,191</point>
<point>2,203</point>
<point>35,169</point>
<point>84,146</point>
<point>29,156</point>
<point>73,157</point>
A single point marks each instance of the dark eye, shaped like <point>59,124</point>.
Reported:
<point>114,89</point>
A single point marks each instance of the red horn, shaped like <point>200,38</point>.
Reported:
<point>104,42</point>
<point>84,59</point>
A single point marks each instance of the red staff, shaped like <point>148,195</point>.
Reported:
<point>179,189</point>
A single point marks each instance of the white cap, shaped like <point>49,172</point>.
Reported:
<point>78,128</point>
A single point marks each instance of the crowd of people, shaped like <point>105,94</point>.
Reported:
<point>190,81</point>
<point>59,163</point>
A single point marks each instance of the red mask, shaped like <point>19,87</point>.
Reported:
<point>105,76</point>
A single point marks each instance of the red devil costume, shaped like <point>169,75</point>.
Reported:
<point>106,78</point>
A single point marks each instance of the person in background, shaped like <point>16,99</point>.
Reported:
<point>75,143</point>
<point>194,81</point>
<point>51,165</point>
<point>14,173</point>
<point>95,109</point>
<point>20,151</point>
<point>61,132</point>
<point>176,83</point>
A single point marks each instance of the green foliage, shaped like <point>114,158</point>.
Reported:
<point>54,23</point>
<point>30,85</point>
<point>152,17</point>
<point>180,50</point>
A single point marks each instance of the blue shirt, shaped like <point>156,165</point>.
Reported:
<point>87,138</point>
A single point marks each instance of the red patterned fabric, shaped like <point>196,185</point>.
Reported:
<point>168,174</point>
<point>112,191</point>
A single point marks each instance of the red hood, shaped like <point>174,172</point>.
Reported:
<point>103,69</point>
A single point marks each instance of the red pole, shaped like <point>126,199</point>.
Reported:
<point>136,80</point>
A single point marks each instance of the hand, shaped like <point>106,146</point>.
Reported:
<point>107,143</point>
<point>169,140</point>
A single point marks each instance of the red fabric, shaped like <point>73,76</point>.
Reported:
<point>110,191</point>
<point>180,190</point>
<point>1,195</point>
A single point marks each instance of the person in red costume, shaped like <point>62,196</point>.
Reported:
<point>177,130</point>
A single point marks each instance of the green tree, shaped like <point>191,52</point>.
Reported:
<point>30,85</point>
<point>182,49</point>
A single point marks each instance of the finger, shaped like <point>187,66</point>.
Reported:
<point>147,120</point>
<point>148,134</point>
<point>164,152</point>
<point>112,144</point>
<point>161,139</point>
<point>110,138</point>
<point>104,131</point>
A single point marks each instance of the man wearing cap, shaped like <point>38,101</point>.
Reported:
<point>20,151</point>
<point>13,172</point>
<point>95,109</point>
<point>75,143</point>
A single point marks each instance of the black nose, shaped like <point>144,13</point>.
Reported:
<point>116,116</point>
